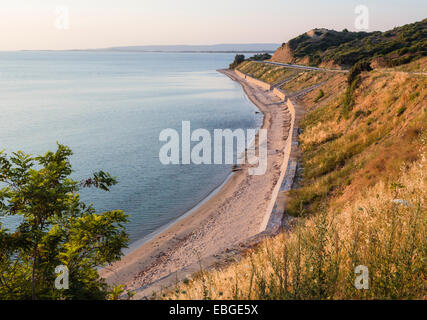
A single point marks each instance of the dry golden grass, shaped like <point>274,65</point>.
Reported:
<point>317,259</point>
<point>268,73</point>
<point>333,87</point>
<point>305,80</point>
<point>344,155</point>
<point>419,65</point>
<point>362,201</point>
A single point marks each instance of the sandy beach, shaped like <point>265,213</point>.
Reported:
<point>210,234</point>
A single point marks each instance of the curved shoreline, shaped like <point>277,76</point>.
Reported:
<point>140,242</point>
<point>228,217</point>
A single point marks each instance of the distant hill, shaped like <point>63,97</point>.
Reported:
<point>249,47</point>
<point>343,48</point>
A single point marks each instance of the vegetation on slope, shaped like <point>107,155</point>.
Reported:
<point>295,80</point>
<point>361,200</point>
<point>317,260</point>
<point>307,79</point>
<point>266,72</point>
<point>372,141</point>
<point>260,57</point>
<point>386,49</point>
<point>312,45</point>
<point>238,59</point>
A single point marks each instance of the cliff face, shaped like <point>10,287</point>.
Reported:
<point>283,54</point>
<point>286,53</point>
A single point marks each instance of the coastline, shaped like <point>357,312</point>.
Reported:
<point>140,242</point>
<point>230,215</point>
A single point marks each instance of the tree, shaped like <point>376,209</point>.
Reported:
<point>357,69</point>
<point>238,59</point>
<point>260,57</point>
<point>56,229</point>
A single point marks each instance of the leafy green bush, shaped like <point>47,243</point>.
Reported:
<point>261,57</point>
<point>353,81</point>
<point>358,68</point>
<point>238,59</point>
<point>319,96</point>
<point>56,229</point>
<point>398,46</point>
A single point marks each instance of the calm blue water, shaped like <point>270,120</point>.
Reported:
<point>110,107</point>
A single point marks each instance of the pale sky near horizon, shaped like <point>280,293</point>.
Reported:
<point>33,24</point>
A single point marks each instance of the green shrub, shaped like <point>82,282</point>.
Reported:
<point>398,46</point>
<point>56,228</point>
<point>358,113</point>
<point>261,57</point>
<point>353,81</point>
<point>238,59</point>
<point>400,111</point>
<point>319,96</point>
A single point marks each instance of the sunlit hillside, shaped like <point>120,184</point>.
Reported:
<point>360,196</point>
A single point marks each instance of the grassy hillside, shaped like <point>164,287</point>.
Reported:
<point>360,193</point>
<point>308,79</point>
<point>297,79</point>
<point>265,72</point>
<point>317,259</point>
<point>328,47</point>
<point>361,200</point>
<point>344,154</point>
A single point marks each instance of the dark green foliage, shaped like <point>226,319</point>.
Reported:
<point>56,229</point>
<point>261,57</point>
<point>319,96</point>
<point>238,59</point>
<point>358,68</point>
<point>304,45</point>
<point>353,81</point>
<point>359,113</point>
<point>401,111</point>
<point>395,47</point>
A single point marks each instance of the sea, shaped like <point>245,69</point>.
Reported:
<point>109,108</point>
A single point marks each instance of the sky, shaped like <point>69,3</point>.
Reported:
<point>86,24</point>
